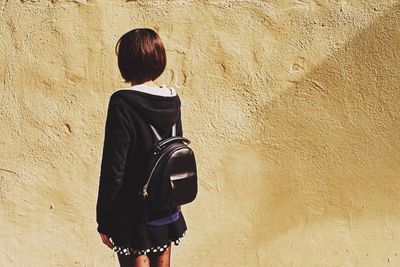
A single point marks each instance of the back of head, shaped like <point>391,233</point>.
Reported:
<point>141,55</point>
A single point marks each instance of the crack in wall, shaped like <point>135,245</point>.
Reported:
<point>9,171</point>
<point>78,2</point>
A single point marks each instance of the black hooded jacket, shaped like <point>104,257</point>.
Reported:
<point>127,141</point>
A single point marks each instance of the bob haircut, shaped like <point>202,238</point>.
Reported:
<point>141,55</point>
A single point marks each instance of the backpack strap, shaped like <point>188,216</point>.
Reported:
<point>174,130</point>
<point>158,135</point>
<point>155,132</point>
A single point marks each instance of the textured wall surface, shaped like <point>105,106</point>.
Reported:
<point>292,108</point>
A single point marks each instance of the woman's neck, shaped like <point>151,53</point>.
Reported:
<point>149,83</point>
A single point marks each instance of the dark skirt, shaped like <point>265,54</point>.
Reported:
<point>149,238</point>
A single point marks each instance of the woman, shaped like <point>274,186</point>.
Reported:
<point>139,240</point>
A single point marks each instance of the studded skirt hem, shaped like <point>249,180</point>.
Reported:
<point>134,251</point>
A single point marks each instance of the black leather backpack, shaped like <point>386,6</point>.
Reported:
<point>172,173</point>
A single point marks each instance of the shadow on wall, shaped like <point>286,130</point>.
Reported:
<point>330,147</point>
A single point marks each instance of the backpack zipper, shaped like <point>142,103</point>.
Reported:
<point>144,192</point>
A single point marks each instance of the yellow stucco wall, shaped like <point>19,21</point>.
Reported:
<point>292,108</point>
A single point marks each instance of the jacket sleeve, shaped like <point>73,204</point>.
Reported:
<point>118,137</point>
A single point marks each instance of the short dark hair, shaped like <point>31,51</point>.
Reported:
<point>141,55</point>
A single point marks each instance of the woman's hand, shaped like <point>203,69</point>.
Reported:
<point>106,240</point>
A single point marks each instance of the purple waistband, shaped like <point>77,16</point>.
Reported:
<point>171,218</point>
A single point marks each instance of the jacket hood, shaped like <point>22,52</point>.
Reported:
<point>157,110</point>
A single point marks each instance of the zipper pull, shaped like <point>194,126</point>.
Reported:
<point>144,193</point>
